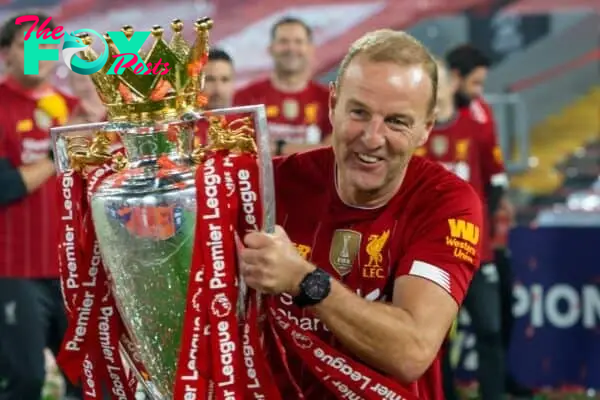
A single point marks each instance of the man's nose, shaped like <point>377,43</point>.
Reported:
<point>374,136</point>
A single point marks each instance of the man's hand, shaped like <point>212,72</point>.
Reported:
<point>271,264</point>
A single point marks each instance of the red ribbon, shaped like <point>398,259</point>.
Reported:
<point>90,351</point>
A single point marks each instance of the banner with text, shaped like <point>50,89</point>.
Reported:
<point>556,337</point>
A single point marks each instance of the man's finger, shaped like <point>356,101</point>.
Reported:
<point>250,256</point>
<point>257,240</point>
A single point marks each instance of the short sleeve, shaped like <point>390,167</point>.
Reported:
<point>445,247</point>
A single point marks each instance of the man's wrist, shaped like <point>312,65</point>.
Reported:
<point>314,288</point>
<point>307,269</point>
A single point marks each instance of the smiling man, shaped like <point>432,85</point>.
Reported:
<point>388,242</point>
<point>297,106</point>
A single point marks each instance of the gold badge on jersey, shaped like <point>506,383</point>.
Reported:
<point>24,125</point>
<point>498,157</point>
<point>344,250</point>
<point>291,109</point>
<point>462,148</point>
<point>310,113</point>
<point>439,145</point>
<point>272,111</point>
<point>374,267</point>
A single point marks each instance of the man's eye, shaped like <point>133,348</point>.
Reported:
<point>358,113</point>
<point>397,122</point>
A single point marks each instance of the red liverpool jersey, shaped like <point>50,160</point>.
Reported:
<point>468,148</point>
<point>481,112</point>
<point>430,229</point>
<point>299,117</point>
<point>28,227</point>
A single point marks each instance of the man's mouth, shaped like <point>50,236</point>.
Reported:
<point>367,158</point>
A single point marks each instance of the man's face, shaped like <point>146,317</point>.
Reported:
<point>82,86</point>
<point>15,61</point>
<point>291,48</point>
<point>219,84</point>
<point>471,85</point>
<point>380,115</point>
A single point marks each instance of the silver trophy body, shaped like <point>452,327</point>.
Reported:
<point>145,223</point>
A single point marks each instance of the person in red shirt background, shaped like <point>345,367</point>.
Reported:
<point>32,315</point>
<point>462,145</point>
<point>297,107</point>
<point>91,108</point>
<point>219,88</point>
<point>469,67</point>
<point>376,247</point>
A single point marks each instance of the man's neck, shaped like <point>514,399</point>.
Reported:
<point>368,200</point>
<point>290,82</point>
<point>26,85</point>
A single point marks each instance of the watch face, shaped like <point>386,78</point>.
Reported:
<point>317,286</point>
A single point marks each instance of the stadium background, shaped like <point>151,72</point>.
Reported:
<point>544,87</point>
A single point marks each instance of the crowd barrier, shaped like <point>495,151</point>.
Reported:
<point>556,337</point>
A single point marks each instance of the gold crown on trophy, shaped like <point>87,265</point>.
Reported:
<point>150,97</point>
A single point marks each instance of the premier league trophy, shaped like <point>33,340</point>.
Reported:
<point>149,230</point>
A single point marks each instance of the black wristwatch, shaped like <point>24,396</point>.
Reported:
<point>314,288</point>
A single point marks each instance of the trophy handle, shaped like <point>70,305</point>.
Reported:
<point>265,164</point>
<point>74,147</point>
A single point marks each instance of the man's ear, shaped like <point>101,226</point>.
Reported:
<point>332,100</point>
<point>429,124</point>
<point>4,55</point>
<point>455,76</point>
<point>270,49</point>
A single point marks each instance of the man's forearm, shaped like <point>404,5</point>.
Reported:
<point>34,175</point>
<point>380,334</point>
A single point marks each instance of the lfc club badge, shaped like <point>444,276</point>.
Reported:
<point>291,109</point>
<point>374,268</point>
<point>344,250</point>
<point>439,145</point>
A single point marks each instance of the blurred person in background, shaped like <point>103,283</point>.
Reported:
<point>90,108</point>
<point>32,315</point>
<point>469,68</point>
<point>462,145</point>
<point>219,80</point>
<point>297,107</point>
<point>219,87</point>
